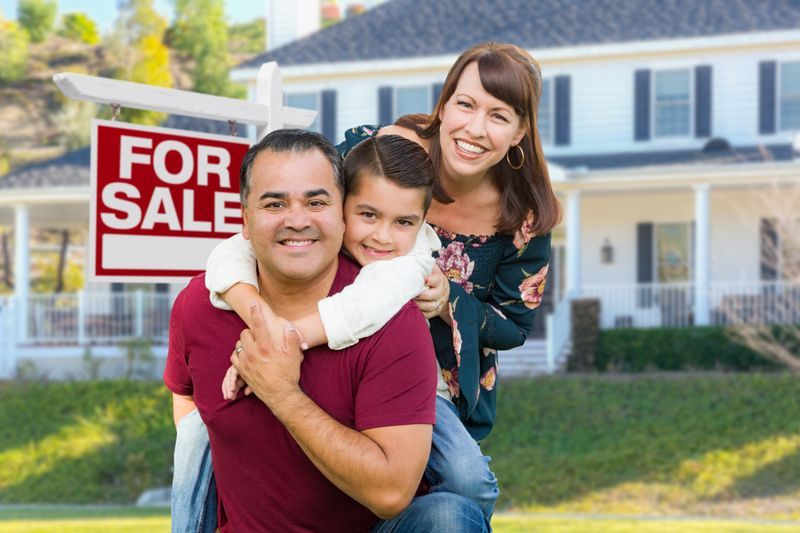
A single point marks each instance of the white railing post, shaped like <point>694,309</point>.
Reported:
<point>81,318</point>
<point>702,267</point>
<point>139,330</point>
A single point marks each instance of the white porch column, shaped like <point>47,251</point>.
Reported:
<point>573,231</point>
<point>22,219</point>
<point>702,263</point>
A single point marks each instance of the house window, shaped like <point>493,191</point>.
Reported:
<point>672,103</point>
<point>546,113</point>
<point>673,252</point>
<point>790,96</point>
<point>306,101</point>
<point>408,100</point>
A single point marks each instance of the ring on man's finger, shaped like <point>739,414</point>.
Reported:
<point>239,349</point>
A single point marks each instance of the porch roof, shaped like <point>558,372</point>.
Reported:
<point>71,170</point>
<point>716,152</point>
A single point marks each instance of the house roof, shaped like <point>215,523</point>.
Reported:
<point>72,168</point>
<point>720,154</point>
<point>419,28</point>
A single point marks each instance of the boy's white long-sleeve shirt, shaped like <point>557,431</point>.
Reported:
<point>360,309</point>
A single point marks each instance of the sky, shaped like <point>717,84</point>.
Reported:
<point>105,11</point>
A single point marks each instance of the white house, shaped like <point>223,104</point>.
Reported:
<point>663,122</point>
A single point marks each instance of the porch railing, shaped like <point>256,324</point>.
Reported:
<point>96,318</point>
<point>652,305</point>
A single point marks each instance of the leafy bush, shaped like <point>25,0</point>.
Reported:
<point>37,17</point>
<point>698,348</point>
<point>79,27</point>
<point>13,50</point>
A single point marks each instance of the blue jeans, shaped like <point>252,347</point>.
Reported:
<point>442,512</point>
<point>194,493</point>
<point>456,464</point>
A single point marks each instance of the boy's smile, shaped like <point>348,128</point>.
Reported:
<point>382,219</point>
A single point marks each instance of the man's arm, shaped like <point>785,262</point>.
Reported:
<point>380,468</point>
<point>181,406</point>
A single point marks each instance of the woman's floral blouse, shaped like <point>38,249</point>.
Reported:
<point>496,283</point>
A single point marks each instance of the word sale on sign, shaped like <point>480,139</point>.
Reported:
<point>161,200</point>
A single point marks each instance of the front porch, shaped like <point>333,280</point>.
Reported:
<point>65,325</point>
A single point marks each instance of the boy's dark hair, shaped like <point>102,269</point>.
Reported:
<point>399,160</point>
<point>289,140</point>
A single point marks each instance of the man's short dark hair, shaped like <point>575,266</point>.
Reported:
<point>289,140</point>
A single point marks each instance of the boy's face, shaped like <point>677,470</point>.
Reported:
<point>382,219</point>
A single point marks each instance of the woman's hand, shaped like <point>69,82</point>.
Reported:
<point>433,301</point>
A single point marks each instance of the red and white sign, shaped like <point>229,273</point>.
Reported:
<point>161,200</point>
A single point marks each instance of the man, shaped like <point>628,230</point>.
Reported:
<point>334,444</point>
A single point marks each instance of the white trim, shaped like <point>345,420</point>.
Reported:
<point>551,113</point>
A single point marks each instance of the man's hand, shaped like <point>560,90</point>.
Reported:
<point>269,365</point>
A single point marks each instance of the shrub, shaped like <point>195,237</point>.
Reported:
<point>698,348</point>
<point>13,50</point>
<point>37,17</point>
<point>79,27</point>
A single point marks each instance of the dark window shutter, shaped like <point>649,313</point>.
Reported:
<point>766,97</point>
<point>435,93</point>
<point>562,133</point>
<point>385,111</point>
<point>328,126</point>
<point>644,262</point>
<point>641,107</point>
<point>769,250</point>
<point>702,103</point>
<point>162,288</point>
<point>117,288</point>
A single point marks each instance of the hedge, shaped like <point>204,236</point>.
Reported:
<point>696,348</point>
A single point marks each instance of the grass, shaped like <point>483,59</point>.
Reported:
<point>718,445</point>
<point>712,445</point>
<point>147,520</point>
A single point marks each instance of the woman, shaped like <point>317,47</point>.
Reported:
<point>493,208</point>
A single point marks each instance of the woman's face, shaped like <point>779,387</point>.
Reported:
<point>477,129</point>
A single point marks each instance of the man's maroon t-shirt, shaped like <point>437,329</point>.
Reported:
<point>264,480</point>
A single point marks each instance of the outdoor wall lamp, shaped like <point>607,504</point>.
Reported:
<point>607,253</point>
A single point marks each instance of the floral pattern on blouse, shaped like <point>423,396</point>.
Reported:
<point>532,288</point>
<point>456,264</point>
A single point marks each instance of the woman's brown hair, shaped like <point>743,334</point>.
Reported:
<point>510,74</point>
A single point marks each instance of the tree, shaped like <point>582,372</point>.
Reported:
<point>201,33</point>
<point>37,17</point>
<point>768,321</point>
<point>248,37</point>
<point>137,44</point>
<point>79,27</point>
<point>13,50</point>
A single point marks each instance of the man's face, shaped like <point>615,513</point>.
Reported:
<point>293,216</point>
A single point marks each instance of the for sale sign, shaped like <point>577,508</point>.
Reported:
<point>161,200</point>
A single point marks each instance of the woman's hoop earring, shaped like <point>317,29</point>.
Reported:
<point>521,157</point>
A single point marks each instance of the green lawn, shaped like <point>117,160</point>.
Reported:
<point>131,519</point>
<point>718,445</point>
